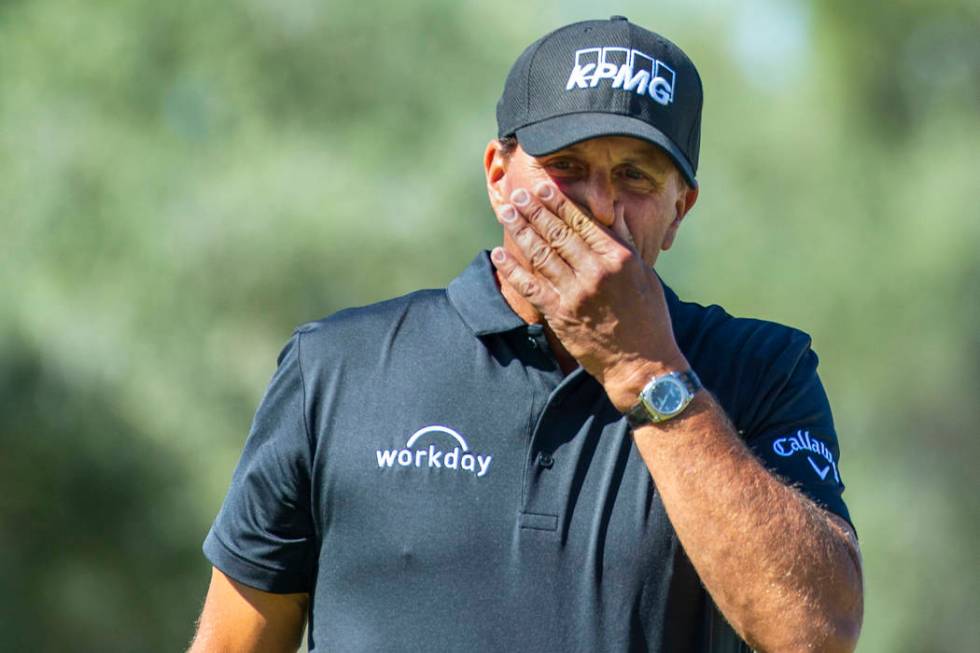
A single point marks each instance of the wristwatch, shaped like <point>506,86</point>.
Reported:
<point>664,397</point>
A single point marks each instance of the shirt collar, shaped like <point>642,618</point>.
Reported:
<point>475,296</point>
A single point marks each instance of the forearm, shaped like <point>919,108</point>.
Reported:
<point>781,572</point>
<point>240,619</point>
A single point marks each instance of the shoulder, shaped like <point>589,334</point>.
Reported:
<point>711,333</point>
<point>360,324</point>
<point>357,342</point>
<point>749,364</point>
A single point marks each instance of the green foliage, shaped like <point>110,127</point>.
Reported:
<point>182,183</point>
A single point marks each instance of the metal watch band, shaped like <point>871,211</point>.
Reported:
<point>638,415</point>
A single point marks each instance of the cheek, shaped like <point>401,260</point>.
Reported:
<point>643,218</point>
<point>648,222</point>
<point>565,186</point>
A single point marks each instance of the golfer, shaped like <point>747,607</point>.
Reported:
<point>556,452</point>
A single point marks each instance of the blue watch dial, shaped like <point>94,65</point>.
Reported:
<point>667,396</point>
<point>663,398</point>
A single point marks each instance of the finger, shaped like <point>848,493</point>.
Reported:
<point>595,235</point>
<point>537,252</point>
<point>538,292</point>
<point>556,232</point>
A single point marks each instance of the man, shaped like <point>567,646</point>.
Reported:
<point>555,453</point>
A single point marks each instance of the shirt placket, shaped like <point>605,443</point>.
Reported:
<point>542,502</point>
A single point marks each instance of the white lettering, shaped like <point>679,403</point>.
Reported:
<point>452,459</point>
<point>630,82</point>
<point>640,74</point>
<point>660,90</point>
<point>484,462</point>
<point>604,71</point>
<point>578,77</point>
<point>434,456</point>
<point>458,458</point>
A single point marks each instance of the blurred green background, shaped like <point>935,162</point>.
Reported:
<point>182,183</point>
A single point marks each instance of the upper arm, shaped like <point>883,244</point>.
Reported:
<point>263,537</point>
<point>264,534</point>
<point>791,428</point>
<point>241,619</point>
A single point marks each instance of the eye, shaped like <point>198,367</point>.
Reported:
<point>637,180</point>
<point>564,167</point>
<point>633,174</point>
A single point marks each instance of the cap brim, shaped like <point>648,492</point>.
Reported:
<point>553,134</point>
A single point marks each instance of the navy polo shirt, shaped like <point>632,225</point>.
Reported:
<point>426,472</point>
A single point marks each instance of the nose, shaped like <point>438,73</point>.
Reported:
<point>600,198</point>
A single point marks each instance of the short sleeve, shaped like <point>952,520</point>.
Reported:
<point>793,433</point>
<point>263,534</point>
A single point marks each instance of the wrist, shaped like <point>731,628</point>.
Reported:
<point>623,385</point>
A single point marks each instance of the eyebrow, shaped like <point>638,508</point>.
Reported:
<point>658,163</point>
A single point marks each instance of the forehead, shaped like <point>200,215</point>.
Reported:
<point>619,148</point>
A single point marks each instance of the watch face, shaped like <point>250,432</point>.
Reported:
<point>667,396</point>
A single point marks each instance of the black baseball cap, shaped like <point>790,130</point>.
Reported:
<point>604,78</point>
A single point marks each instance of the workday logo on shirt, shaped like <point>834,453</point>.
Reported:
<point>437,455</point>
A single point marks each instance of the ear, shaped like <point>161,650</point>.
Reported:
<point>686,197</point>
<point>495,166</point>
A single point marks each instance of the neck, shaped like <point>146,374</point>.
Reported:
<point>531,315</point>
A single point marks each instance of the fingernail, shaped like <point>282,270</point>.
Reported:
<point>545,191</point>
<point>507,213</point>
<point>520,197</point>
<point>498,255</point>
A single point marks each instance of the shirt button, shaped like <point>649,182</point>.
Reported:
<point>545,460</point>
<point>531,341</point>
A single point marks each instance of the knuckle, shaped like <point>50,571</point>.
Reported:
<point>612,269</point>
<point>607,271</point>
<point>540,254</point>
<point>534,212</point>
<point>579,222</point>
<point>558,234</point>
<point>524,233</point>
<point>561,206</point>
<point>619,259</point>
<point>527,287</point>
<point>588,288</point>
